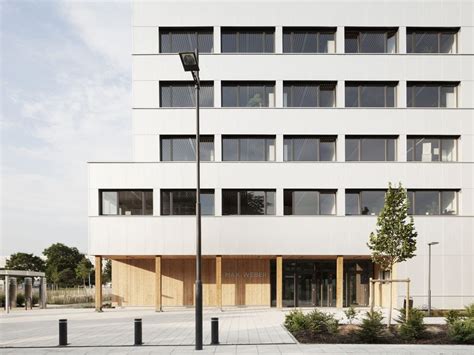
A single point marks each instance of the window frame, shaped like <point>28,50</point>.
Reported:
<point>359,200</point>
<point>238,84</point>
<point>361,84</point>
<point>186,136</point>
<point>239,207</point>
<point>359,147</point>
<point>439,31</point>
<point>318,206</point>
<point>439,84</point>
<point>238,31</point>
<point>440,144</point>
<point>360,30</point>
<point>185,83</point>
<point>318,31</point>
<point>142,190</point>
<point>171,191</point>
<point>412,203</point>
<point>196,29</point>
<point>291,84</point>
<point>318,137</point>
<point>239,138</point>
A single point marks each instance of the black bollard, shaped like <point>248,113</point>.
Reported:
<point>138,331</point>
<point>62,332</point>
<point>214,331</point>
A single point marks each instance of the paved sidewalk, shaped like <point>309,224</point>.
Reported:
<point>114,327</point>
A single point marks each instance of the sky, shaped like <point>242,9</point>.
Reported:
<point>65,74</point>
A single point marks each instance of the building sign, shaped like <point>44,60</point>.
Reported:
<point>246,275</point>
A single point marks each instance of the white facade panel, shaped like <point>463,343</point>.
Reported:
<point>145,40</point>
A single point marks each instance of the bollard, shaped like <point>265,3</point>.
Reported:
<point>138,331</point>
<point>62,332</point>
<point>214,331</point>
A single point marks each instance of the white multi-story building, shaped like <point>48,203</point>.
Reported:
<point>308,110</point>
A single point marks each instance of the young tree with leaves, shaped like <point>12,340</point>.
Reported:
<point>83,269</point>
<point>394,240</point>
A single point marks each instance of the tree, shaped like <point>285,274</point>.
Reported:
<point>24,261</point>
<point>83,269</point>
<point>394,240</point>
<point>61,264</point>
<point>107,274</point>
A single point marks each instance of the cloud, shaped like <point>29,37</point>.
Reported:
<point>66,100</point>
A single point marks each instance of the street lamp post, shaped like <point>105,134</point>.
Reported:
<point>429,276</point>
<point>190,61</point>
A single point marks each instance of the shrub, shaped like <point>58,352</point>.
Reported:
<point>462,331</point>
<point>452,316</point>
<point>296,321</point>
<point>322,323</point>
<point>414,328</point>
<point>372,329</point>
<point>351,314</point>
<point>20,300</point>
<point>35,300</point>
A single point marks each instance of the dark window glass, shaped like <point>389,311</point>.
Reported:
<point>309,148</point>
<point>183,148</point>
<point>126,202</point>
<point>431,40</point>
<point>433,202</point>
<point>370,148</point>
<point>371,40</point>
<point>309,94</point>
<point>182,94</point>
<point>174,40</point>
<point>365,202</point>
<point>432,94</point>
<point>248,94</point>
<point>183,202</point>
<point>248,148</point>
<point>248,202</point>
<point>370,94</point>
<point>309,202</point>
<point>247,40</point>
<point>432,149</point>
<point>307,40</point>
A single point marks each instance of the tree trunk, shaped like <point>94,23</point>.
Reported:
<point>390,298</point>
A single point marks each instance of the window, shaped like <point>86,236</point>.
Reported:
<point>372,148</point>
<point>309,94</point>
<point>248,40</point>
<point>432,202</point>
<point>183,148</point>
<point>309,40</point>
<point>183,202</point>
<point>370,94</point>
<point>310,202</point>
<point>248,94</point>
<point>182,94</point>
<point>248,148</point>
<point>365,202</point>
<point>375,40</point>
<point>432,40</point>
<point>432,148</point>
<point>175,40</point>
<point>309,148</point>
<point>126,202</point>
<point>248,202</point>
<point>421,94</point>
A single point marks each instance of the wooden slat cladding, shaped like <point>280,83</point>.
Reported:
<point>244,282</point>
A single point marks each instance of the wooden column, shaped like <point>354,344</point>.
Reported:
<point>339,281</point>
<point>279,281</point>
<point>219,281</point>
<point>98,283</point>
<point>158,286</point>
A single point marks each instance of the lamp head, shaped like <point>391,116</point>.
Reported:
<point>433,243</point>
<point>189,61</point>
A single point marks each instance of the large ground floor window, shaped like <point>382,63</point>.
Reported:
<point>356,282</point>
